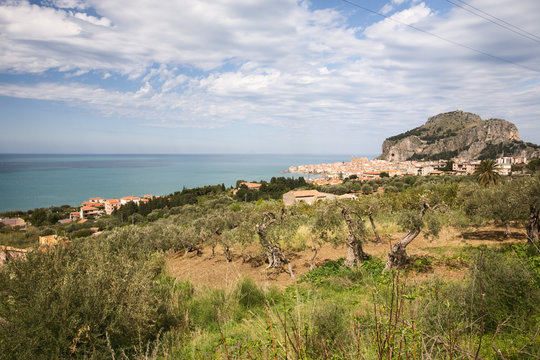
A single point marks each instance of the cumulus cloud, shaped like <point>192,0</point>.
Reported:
<point>280,63</point>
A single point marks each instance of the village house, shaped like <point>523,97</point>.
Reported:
<point>87,211</point>
<point>14,222</point>
<point>98,200</point>
<point>252,186</point>
<point>111,205</point>
<point>8,252</point>
<point>126,199</point>
<point>51,240</point>
<point>308,196</point>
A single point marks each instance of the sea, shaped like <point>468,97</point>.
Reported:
<point>29,181</point>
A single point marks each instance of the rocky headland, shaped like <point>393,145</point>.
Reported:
<point>458,134</point>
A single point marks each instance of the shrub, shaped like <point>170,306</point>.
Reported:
<point>500,287</point>
<point>329,328</point>
<point>66,302</point>
<point>249,294</point>
<point>367,189</point>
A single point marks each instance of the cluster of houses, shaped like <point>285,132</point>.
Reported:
<point>97,206</point>
<point>365,169</point>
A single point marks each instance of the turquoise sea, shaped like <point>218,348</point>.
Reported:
<point>30,181</point>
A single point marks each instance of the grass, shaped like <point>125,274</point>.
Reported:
<point>335,312</point>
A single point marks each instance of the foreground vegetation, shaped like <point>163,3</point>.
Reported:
<point>111,296</point>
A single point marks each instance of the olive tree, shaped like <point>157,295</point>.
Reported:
<point>419,213</point>
<point>333,215</point>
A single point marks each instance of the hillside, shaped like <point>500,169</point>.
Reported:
<point>458,134</point>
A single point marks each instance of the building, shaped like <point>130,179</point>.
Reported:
<point>98,200</point>
<point>51,240</point>
<point>75,215</point>
<point>126,199</point>
<point>87,211</point>
<point>308,196</point>
<point>14,222</point>
<point>111,205</point>
<point>7,253</point>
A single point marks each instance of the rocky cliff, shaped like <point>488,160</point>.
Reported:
<point>458,134</point>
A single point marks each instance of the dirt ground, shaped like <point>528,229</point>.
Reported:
<point>216,272</point>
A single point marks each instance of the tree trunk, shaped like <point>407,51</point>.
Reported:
<point>507,231</point>
<point>355,253</point>
<point>315,251</point>
<point>397,257</point>
<point>533,226</point>
<point>276,257</point>
<point>227,253</point>
<point>377,238</point>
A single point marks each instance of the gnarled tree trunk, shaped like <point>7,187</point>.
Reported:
<point>276,257</point>
<point>355,252</point>
<point>397,257</point>
<point>377,238</point>
<point>533,226</point>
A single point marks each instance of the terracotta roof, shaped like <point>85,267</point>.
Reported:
<point>88,208</point>
<point>129,198</point>
<point>251,185</point>
<point>305,193</point>
<point>89,203</point>
<point>14,222</point>
<point>113,201</point>
<point>97,198</point>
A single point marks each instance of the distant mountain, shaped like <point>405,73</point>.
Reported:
<point>458,134</point>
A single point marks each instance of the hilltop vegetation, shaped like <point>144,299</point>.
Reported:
<point>112,295</point>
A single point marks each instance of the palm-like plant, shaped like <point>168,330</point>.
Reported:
<point>486,173</point>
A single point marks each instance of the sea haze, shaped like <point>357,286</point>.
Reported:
<point>31,181</point>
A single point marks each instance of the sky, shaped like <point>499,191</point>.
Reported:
<point>250,76</point>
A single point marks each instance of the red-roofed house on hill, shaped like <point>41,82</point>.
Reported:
<point>75,215</point>
<point>87,211</point>
<point>126,199</point>
<point>111,205</point>
<point>14,222</point>
<point>253,186</point>
<point>308,196</point>
<point>99,200</point>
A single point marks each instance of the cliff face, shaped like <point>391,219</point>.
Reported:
<point>458,134</point>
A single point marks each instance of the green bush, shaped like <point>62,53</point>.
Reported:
<point>330,328</point>
<point>249,294</point>
<point>500,288</point>
<point>65,302</point>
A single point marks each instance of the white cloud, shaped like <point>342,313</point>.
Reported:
<point>216,63</point>
<point>386,9</point>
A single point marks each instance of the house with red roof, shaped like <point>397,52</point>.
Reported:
<point>308,196</point>
<point>126,199</point>
<point>111,205</point>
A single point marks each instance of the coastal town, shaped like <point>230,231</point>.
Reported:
<point>363,169</point>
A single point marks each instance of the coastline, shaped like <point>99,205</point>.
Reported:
<point>29,181</point>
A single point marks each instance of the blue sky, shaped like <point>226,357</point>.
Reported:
<point>248,76</point>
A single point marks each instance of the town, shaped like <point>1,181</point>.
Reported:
<point>363,169</point>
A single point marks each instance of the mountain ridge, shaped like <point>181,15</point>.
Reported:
<point>458,134</point>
